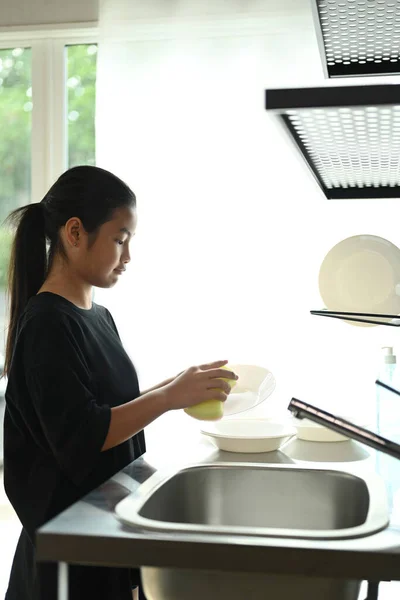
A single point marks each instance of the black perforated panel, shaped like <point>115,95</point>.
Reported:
<point>349,136</point>
<point>360,37</point>
<point>352,147</point>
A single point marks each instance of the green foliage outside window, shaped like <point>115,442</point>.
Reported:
<point>81,85</point>
<point>15,132</point>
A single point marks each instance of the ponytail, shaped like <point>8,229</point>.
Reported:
<point>28,266</point>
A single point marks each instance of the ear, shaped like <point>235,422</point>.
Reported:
<point>73,231</point>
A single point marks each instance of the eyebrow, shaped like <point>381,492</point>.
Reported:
<point>125,230</point>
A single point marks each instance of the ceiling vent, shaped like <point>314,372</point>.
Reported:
<point>349,136</point>
<point>358,37</point>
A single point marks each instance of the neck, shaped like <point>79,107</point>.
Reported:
<point>62,281</point>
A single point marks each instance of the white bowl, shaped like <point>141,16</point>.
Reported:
<point>255,385</point>
<point>248,435</point>
<point>314,432</point>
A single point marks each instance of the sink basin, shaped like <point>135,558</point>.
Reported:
<point>259,500</point>
<point>253,499</point>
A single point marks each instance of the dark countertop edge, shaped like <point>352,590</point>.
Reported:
<point>362,564</point>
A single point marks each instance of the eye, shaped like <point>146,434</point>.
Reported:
<point>119,242</point>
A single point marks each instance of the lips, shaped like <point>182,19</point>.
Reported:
<point>120,271</point>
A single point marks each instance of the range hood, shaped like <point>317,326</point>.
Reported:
<point>349,136</point>
<point>358,37</point>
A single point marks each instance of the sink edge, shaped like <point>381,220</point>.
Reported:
<point>377,519</point>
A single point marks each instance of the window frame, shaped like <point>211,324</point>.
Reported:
<point>49,94</point>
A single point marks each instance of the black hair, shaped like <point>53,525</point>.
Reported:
<point>88,193</point>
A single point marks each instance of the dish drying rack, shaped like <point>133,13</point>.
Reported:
<point>360,317</point>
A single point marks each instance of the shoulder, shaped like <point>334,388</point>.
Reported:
<point>50,327</point>
<point>45,314</point>
<point>49,334</point>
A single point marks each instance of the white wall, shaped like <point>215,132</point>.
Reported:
<point>228,250</point>
<point>232,228</point>
<point>43,12</point>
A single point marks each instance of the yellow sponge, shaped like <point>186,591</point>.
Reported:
<point>209,410</point>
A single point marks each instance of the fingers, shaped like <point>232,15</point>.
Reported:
<point>213,365</point>
<point>213,373</point>
<point>215,394</point>
<point>220,385</point>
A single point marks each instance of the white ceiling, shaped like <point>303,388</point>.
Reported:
<point>288,24</point>
<point>44,12</point>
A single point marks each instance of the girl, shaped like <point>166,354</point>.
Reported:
<point>74,412</point>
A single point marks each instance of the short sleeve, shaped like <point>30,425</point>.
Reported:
<point>74,425</point>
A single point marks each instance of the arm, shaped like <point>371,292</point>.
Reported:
<point>160,385</point>
<point>195,385</point>
<point>157,387</point>
<point>130,418</point>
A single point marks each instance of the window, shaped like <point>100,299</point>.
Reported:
<point>15,139</point>
<point>15,147</point>
<point>42,134</point>
<point>81,86</point>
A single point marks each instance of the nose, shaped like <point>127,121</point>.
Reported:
<point>126,257</point>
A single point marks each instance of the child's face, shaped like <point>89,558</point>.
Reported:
<point>102,262</point>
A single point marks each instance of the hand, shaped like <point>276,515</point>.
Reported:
<point>197,384</point>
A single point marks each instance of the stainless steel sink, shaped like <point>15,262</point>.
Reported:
<point>258,499</point>
<point>254,499</point>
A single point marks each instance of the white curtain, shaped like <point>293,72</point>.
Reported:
<point>232,229</point>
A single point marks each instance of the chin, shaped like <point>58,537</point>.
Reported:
<point>106,283</point>
<point>111,283</point>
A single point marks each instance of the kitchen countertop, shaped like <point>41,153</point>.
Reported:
<point>89,532</point>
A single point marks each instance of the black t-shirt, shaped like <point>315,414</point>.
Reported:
<point>68,369</point>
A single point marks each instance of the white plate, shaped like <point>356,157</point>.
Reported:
<point>255,385</point>
<point>361,274</point>
<point>248,435</point>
